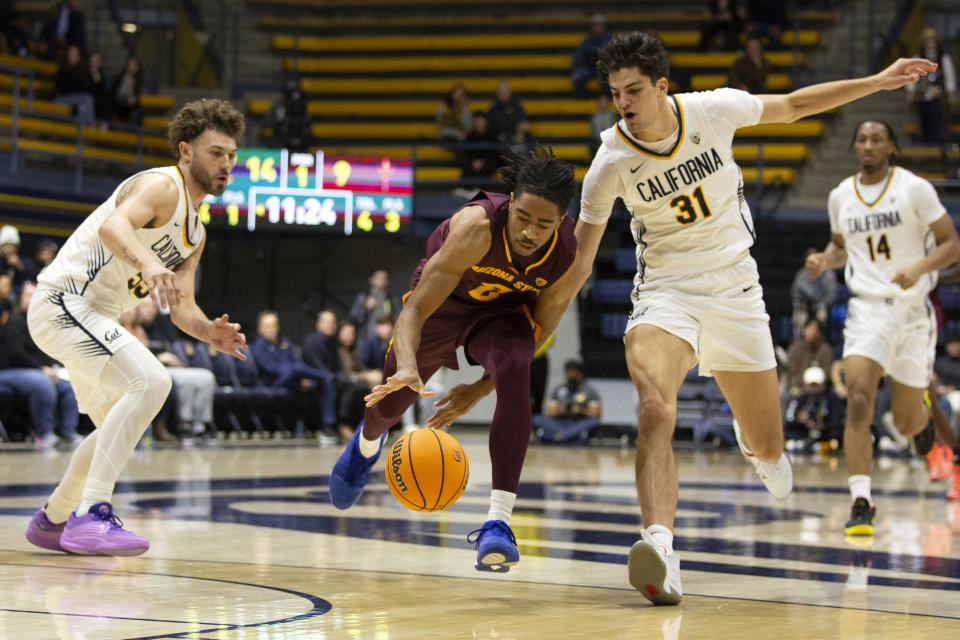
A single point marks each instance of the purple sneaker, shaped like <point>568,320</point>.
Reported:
<point>100,533</point>
<point>44,533</point>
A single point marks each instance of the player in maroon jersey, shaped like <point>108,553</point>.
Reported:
<point>493,281</point>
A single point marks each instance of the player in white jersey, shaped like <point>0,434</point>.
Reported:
<point>888,226</point>
<point>697,296</point>
<point>145,240</point>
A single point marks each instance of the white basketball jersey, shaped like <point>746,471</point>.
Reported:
<point>689,212</point>
<point>85,267</point>
<point>887,234</point>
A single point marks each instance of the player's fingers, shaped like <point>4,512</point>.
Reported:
<point>161,295</point>
<point>426,394</point>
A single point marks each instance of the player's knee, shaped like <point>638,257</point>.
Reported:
<point>859,401</point>
<point>155,384</point>
<point>656,416</point>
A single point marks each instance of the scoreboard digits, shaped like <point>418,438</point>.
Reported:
<point>278,189</point>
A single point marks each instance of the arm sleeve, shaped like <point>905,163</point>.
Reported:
<point>601,186</point>
<point>729,109</point>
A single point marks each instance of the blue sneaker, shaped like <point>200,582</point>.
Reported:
<point>496,546</point>
<point>351,472</point>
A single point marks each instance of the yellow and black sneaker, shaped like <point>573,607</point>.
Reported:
<point>862,516</point>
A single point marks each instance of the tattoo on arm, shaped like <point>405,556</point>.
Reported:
<point>125,191</point>
<point>129,257</point>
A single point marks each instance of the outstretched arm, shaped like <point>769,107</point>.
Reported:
<point>817,98</point>
<point>468,241</point>
<point>224,335</point>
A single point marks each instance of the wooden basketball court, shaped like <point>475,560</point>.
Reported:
<point>245,544</point>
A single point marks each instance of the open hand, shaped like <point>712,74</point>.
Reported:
<point>453,404</point>
<point>225,336</point>
<point>904,71</point>
<point>402,378</point>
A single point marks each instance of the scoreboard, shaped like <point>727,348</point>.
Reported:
<point>276,190</point>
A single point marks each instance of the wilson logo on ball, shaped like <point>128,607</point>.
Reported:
<point>395,461</point>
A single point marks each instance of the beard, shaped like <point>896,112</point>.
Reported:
<point>205,180</point>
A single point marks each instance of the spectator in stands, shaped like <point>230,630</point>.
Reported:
<point>522,141</point>
<point>73,85</point>
<point>809,349</point>
<point>373,304</point>
<point>46,252</point>
<point>320,345</point>
<point>722,31</point>
<point>585,55</point>
<point>100,88</point>
<point>281,366</point>
<point>453,116</point>
<point>573,410</point>
<point>812,298</point>
<point>356,379</point>
<point>373,350</point>
<point>33,374</point>
<point>20,268</point>
<point>13,37</point>
<point>67,27</point>
<point>601,120</point>
<point>813,414</point>
<point>750,71</point>
<point>767,19</point>
<point>194,386</point>
<point>504,114</point>
<point>947,369</point>
<point>289,119</point>
<point>929,92</point>
<point>7,298</point>
<point>127,88</point>
<point>481,155</point>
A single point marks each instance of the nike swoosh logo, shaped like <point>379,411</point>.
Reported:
<point>636,168</point>
<point>745,289</point>
<point>176,224</point>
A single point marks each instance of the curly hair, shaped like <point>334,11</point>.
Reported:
<point>541,173</point>
<point>198,116</point>
<point>634,49</point>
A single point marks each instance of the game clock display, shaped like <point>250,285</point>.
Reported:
<point>281,190</point>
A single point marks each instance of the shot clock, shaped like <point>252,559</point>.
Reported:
<point>281,190</point>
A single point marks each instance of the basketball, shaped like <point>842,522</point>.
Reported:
<point>427,470</point>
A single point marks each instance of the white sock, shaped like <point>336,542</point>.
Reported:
<point>662,536</point>
<point>368,448</point>
<point>860,487</point>
<point>94,491</point>
<point>501,505</point>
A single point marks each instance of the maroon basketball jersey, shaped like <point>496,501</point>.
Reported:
<point>503,281</point>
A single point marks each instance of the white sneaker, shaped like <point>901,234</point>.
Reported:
<point>776,476</point>
<point>653,572</point>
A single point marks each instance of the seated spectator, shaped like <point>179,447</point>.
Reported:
<point>373,304</point>
<point>320,345</point>
<point>20,268</point>
<point>33,374</point>
<point>356,379</point>
<point>7,298</point>
<point>585,55</point>
<point>127,88</point>
<point>928,93</point>
<point>809,349</point>
<point>14,39</point>
<point>766,19</point>
<point>722,31</point>
<point>601,120</point>
<point>46,252</point>
<point>194,386</point>
<point>453,116</point>
<point>373,350</point>
<point>813,415</point>
<point>280,366</point>
<point>750,71</point>
<point>481,153</point>
<point>812,298</point>
<point>573,409</point>
<point>100,88</point>
<point>522,141</point>
<point>67,27</point>
<point>504,114</point>
<point>74,86</point>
